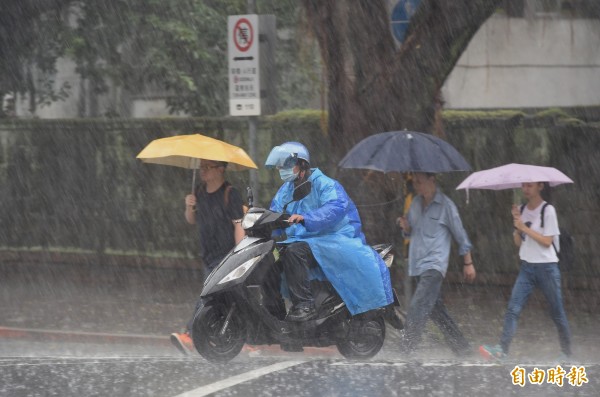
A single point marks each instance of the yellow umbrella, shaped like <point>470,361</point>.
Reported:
<point>187,151</point>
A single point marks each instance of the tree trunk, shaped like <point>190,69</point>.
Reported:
<point>375,85</point>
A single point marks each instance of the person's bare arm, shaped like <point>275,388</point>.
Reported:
<point>190,209</point>
<point>546,241</point>
<point>469,272</point>
<point>238,232</point>
<point>517,238</point>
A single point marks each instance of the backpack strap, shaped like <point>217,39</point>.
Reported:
<point>226,198</point>
<point>541,213</point>
<point>226,195</point>
<point>542,221</point>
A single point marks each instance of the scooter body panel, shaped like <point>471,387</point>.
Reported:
<point>257,250</point>
<point>247,284</point>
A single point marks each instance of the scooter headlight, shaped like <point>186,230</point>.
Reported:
<point>250,219</point>
<point>240,270</point>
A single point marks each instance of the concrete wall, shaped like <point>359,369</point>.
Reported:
<point>517,62</point>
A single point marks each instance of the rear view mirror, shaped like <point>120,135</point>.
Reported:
<point>250,197</point>
<point>302,190</point>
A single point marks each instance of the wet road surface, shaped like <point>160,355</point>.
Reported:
<point>81,305</point>
<point>87,369</point>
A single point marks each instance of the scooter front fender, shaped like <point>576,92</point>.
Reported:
<point>256,251</point>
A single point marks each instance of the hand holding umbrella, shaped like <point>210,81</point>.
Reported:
<point>190,200</point>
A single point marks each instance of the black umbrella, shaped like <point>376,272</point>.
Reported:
<point>404,151</point>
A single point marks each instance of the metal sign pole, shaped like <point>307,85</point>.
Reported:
<point>251,4</point>
<point>250,50</point>
<point>252,149</point>
<point>252,128</point>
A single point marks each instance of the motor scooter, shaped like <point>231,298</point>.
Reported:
<point>241,302</point>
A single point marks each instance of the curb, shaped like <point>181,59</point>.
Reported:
<point>45,335</point>
<point>89,337</point>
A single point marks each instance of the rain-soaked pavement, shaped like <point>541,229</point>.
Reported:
<point>100,370</point>
<point>74,330</point>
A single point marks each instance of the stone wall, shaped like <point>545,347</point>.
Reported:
<point>550,139</point>
<point>75,186</point>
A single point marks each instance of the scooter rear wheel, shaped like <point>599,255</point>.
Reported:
<point>210,339</point>
<point>365,340</point>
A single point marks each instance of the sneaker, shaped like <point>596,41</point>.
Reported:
<point>252,351</point>
<point>492,352</point>
<point>183,343</point>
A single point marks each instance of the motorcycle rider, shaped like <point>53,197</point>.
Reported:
<point>324,240</point>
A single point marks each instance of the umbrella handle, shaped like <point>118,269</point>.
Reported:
<point>193,180</point>
<point>194,167</point>
<point>193,186</point>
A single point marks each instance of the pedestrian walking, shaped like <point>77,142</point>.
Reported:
<point>216,207</point>
<point>536,234</point>
<point>431,223</point>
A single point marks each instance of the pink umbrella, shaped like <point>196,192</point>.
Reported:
<point>512,176</point>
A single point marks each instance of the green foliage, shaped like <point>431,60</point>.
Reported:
<point>298,115</point>
<point>76,186</point>
<point>298,120</point>
<point>33,34</point>
<point>456,115</point>
<point>556,116</point>
<point>179,45</point>
<point>553,113</point>
<point>148,47</point>
<point>571,121</point>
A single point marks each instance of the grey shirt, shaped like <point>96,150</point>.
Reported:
<point>432,229</point>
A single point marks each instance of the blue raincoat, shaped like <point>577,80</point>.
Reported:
<point>332,229</point>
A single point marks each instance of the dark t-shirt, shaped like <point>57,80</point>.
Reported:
<point>215,221</point>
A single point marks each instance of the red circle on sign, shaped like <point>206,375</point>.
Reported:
<point>243,34</point>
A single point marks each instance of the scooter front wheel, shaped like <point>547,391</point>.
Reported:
<point>364,341</point>
<point>219,332</point>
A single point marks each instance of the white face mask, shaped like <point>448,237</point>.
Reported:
<point>288,175</point>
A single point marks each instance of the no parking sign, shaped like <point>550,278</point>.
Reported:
<point>250,44</point>
<point>243,34</point>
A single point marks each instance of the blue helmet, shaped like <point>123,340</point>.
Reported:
<point>286,155</point>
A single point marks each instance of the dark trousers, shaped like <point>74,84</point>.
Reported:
<point>427,303</point>
<point>297,259</point>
